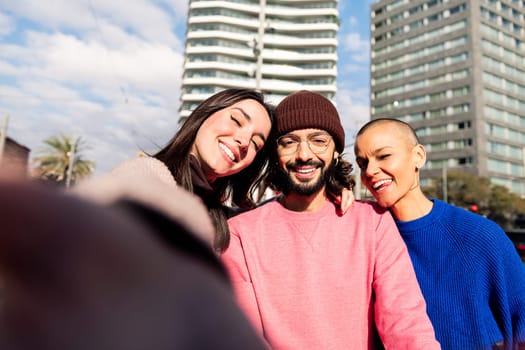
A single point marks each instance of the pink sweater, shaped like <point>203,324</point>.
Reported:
<point>307,280</point>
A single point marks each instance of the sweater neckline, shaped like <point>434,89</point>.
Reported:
<point>327,207</point>
<point>435,214</point>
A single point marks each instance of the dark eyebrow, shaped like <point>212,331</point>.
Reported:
<point>249,118</point>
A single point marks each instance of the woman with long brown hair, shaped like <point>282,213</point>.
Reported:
<point>219,154</point>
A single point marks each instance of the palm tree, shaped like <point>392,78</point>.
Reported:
<point>61,161</point>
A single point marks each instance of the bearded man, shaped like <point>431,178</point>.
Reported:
<point>309,277</point>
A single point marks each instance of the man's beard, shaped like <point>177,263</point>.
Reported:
<point>288,184</point>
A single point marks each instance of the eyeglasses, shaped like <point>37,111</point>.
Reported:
<point>289,144</point>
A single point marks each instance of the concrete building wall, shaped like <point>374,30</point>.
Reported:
<point>454,70</point>
<point>15,158</point>
<point>276,46</point>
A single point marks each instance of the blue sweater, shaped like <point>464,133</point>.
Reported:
<point>471,276</point>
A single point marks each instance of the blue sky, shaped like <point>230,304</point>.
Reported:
<point>110,71</point>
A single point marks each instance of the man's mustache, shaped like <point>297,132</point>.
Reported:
<point>294,164</point>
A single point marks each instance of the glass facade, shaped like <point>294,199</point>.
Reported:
<point>454,70</point>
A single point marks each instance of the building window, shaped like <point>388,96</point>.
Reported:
<point>465,160</point>
<point>464,125</point>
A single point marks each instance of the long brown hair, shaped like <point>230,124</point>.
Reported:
<point>242,188</point>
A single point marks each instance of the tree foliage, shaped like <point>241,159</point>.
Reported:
<point>54,159</point>
<point>493,201</point>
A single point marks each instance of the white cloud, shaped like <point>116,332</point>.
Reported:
<point>6,25</point>
<point>353,83</point>
<point>346,67</point>
<point>354,109</point>
<point>110,71</point>
<point>179,7</point>
<point>141,18</point>
<point>110,74</point>
<point>353,42</point>
<point>354,53</point>
<point>353,21</point>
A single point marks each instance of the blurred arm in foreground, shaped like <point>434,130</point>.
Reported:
<point>119,275</point>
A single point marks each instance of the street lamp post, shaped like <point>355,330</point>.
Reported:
<point>444,183</point>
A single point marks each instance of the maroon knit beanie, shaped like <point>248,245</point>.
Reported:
<point>307,109</point>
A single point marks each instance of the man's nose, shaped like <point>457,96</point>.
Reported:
<point>303,150</point>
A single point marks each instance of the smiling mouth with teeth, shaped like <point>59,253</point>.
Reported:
<point>380,183</point>
<point>228,152</point>
<point>305,171</point>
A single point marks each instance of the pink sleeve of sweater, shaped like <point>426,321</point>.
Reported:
<point>400,308</point>
<point>233,259</point>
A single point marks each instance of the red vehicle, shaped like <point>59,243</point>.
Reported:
<point>518,237</point>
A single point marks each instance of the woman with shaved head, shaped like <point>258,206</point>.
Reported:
<point>469,271</point>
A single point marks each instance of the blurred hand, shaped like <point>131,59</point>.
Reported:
<point>82,276</point>
<point>345,200</point>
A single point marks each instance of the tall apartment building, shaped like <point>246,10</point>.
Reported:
<point>275,46</point>
<point>455,70</point>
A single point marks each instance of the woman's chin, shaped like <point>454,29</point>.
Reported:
<point>385,202</point>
